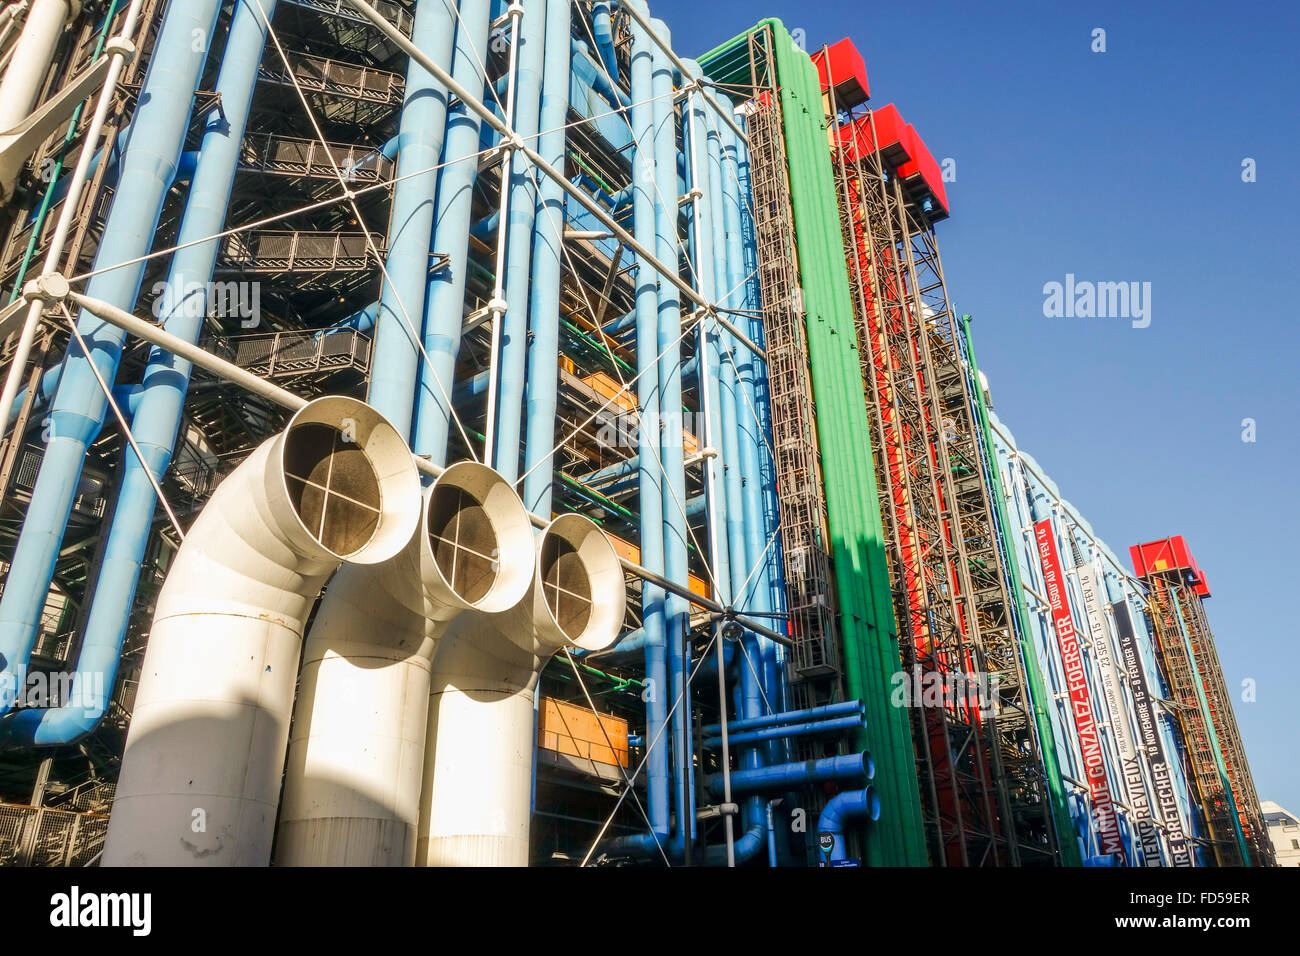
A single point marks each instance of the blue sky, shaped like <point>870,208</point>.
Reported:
<point>1122,166</point>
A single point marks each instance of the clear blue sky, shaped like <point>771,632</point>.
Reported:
<point>1123,166</point>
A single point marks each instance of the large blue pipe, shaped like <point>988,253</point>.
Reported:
<point>710,261</point>
<point>740,377</point>
<point>153,150</point>
<point>444,298</point>
<point>157,415</point>
<point>844,708</point>
<point>650,492</point>
<point>833,725</point>
<point>668,347</point>
<point>603,30</point>
<point>513,361</point>
<point>548,238</point>
<point>423,123</point>
<point>857,766</point>
<point>844,808</point>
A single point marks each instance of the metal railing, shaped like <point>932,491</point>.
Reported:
<point>41,836</point>
<point>334,76</point>
<point>292,156</point>
<point>290,354</point>
<point>394,13</point>
<point>266,251</point>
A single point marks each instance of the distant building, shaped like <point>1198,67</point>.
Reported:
<point>1284,831</point>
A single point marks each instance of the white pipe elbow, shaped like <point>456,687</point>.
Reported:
<point>352,787</point>
<point>200,776</point>
<point>477,780</point>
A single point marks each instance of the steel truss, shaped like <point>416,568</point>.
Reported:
<point>979,765</point>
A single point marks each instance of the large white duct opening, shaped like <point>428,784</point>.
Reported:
<point>201,771</point>
<point>474,803</point>
<point>352,787</point>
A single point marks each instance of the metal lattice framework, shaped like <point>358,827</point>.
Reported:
<point>1181,626</point>
<point>979,766</point>
<point>810,588</point>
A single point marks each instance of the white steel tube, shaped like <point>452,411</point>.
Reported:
<point>120,51</point>
<point>200,777</point>
<point>32,55</point>
<point>352,786</point>
<point>497,306</point>
<point>8,19</point>
<point>474,803</point>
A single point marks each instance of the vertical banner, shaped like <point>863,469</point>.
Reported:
<point>1149,730</point>
<point>1112,691</point>
<point>1085,720</point>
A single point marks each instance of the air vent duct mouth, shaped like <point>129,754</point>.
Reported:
<point>350,479</point>
<point>479,537</point>
<point>873,804</point>
<point>581,594</point>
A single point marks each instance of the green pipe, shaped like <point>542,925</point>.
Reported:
<point>1066,844</point>
<point>868,628</point>
<point>48,198</point>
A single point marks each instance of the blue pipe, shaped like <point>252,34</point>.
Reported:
<point>444,296</point>
<point>739,377</point>
<point>361,321</point>
<point>650,492</point>
<point>857,766</point>
<point>395,359</point>
<point>158,401</point>
<point>719,384</point>
<point>126,396</point>
<point>513,360</point>
<point>603,30</point>
<point>153,151</point>
<point>771,836</point>
<point>671,456</point>
<point>842,709</point>
<point>843,809</point>
<point>548,238</point>
<point>834,725</point>
<point>592,73</point>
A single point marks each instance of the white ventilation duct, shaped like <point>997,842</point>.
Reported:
<point>201,771</point>
<point>352,788</point>
<point>474,803</point>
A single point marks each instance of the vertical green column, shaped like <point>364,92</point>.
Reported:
<point>857,544</point>
<point>1067,846</point>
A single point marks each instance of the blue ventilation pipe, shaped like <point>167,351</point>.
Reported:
<point>443,310</point>
<point>833,725</point>
<point>153,151</point>
<point>712,271</point>
<point>157,413</point>
<point>858,767</point>
<point>603,30</point>
<point>594,74</point>
<point>395,359</point>
<point>548,239</point>
<point>739,372</point>
<point>670,420</point>
<point>843,809</point>
<point>650,490</point>
<point>513,360</point>
<point>845,708</point>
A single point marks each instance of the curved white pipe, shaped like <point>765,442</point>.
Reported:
<point>32,55</point>
<point>474,802</point>
<point>352,787</point>
<point>201,771</point>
